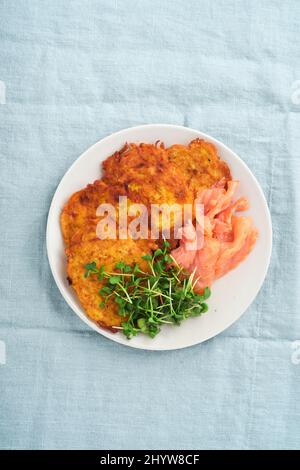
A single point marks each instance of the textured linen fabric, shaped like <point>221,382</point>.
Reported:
<point>73,72</point>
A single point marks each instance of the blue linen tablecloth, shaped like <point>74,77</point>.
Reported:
<point>73,72</point>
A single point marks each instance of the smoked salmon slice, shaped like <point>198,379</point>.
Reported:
<point>219,240</point>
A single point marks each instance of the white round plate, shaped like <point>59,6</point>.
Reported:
<point>231,295</point>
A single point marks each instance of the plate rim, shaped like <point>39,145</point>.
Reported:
<point>113,336</point>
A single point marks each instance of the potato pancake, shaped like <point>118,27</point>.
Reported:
<point>199,163</point>
<point>147,174</point>
<point>107,253</point>
<point>81,208</point>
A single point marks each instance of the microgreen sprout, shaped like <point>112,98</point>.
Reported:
<point>147,300</point>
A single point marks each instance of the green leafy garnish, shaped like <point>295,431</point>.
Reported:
<point>91,268</point>
<point>147,300</point>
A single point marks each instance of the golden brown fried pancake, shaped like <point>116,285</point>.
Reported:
<point>82,206</point>
<point>149,178</point>
<point>199,163</point>
<point>147,174</point>
<point>103,252</point>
